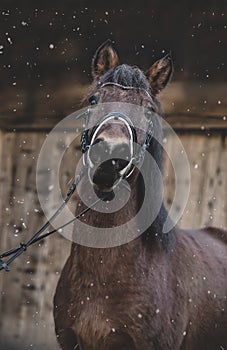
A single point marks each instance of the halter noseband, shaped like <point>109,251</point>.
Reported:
<point>88,140</point>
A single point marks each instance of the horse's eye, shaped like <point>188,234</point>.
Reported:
<point>93,100</point>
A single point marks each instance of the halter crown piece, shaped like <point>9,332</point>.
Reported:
<point>87,141</point>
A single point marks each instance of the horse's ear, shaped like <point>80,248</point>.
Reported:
<point>160,73</point>
<point>104,59</point>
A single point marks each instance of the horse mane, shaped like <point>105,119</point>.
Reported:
<point>220,234</point>
<point>130,76</point>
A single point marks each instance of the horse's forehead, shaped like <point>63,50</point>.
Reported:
<point>134,112</point>
<point>112,94</point>
<point>114,129</point>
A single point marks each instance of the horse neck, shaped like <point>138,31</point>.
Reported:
<point>148,182</point>
<point>99,261</point>
<point>107,264</point>
<point>107,214</point>
<point>93,259</point>
<point>153,187</point>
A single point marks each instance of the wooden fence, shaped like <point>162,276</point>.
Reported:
<point>26,293</point>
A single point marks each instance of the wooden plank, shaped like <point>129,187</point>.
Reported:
<point>207,202</point>
<point>27,291</point>
<point>192,105</point>
<point>195,105</point>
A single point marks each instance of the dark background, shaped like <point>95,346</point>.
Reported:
<point>48,46</point>
<point>195,32</point>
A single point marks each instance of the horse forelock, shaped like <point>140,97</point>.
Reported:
<point>127,76</point>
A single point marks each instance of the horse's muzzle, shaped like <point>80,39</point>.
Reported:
<point>106,176</point>
<point>107,163</point>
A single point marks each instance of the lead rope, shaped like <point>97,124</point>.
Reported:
<point>15,252</point>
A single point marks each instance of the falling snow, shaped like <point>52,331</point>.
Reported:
<point>92,27</point>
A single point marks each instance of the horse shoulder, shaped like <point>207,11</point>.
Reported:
<point>200,265</point>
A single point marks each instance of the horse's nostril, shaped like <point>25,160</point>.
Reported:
<point>121,164</point>
<point>103,178</point>
<point>102,152</point>
<point>109,160</point>
<point>99,151</point>
<point>122,151</point>
<point>121,156</point>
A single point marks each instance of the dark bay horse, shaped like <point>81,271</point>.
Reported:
<point>158,291</point>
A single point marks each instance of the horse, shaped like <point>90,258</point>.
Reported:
<point>158,291</point>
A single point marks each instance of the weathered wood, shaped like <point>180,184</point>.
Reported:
<point>187,105</point>
<point>195,105</point>
<point>208,163</point>
<point>207,204</point>
<point>27,291</point>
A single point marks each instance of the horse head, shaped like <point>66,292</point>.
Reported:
<point>110,145</point>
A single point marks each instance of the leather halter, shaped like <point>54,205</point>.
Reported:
<point>136,158</point>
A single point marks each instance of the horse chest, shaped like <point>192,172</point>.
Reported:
<point>107,312</point>
<point>91,323</point>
